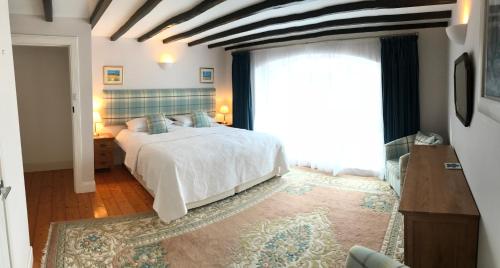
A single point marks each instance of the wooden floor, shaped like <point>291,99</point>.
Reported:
<point>50,197</point>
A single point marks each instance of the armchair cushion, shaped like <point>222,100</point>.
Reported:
<point>361,257</point>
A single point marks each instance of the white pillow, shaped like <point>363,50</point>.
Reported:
<point>183,120</point>
<point>138,125</point>
<point>141,124</point>
<point>424,139</point>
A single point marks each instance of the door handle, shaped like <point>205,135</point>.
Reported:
<point>4,191</point>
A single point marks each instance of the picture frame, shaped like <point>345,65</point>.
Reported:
<point>207,75</point>
<point>112,75</point>
<point>489,100</point>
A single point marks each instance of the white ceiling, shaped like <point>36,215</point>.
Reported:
<point>120,11</point>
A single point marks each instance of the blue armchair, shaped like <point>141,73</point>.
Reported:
<point>397,154</point>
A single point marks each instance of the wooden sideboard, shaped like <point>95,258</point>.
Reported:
<point>441,219</point>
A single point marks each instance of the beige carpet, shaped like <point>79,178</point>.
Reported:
<point>305,219</point>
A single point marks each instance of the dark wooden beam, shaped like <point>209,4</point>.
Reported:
<point>47,9</point>
<point>237,15</point>
<point>341,31</point>
<point>347,7</point>
<point>183,17</point>
<point>99,10</point>
<point>138,15</point>
<point>336,23</point>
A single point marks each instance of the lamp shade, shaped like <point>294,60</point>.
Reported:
<point>97,117</point>
<point>224,109</point>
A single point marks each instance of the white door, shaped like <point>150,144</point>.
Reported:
<point>14,233</point>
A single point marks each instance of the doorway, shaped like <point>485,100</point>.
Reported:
<point>43,89</point>
<point>44,107</point>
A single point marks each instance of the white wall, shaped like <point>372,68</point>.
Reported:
<point>433,54</point>
<point>142,71</point>
<point>478,146</point>
<point>11,169</point>
<point>44,104</point>
<point>22,24</point>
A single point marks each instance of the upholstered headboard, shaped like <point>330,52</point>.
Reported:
<point>123,105</point>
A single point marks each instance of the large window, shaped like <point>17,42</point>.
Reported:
<point>324,101</point>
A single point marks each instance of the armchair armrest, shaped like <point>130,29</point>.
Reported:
<point>403,164</point>
<point>361,257</point>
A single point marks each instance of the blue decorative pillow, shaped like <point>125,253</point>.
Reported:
<point>201,119</point>
<point>157,124</point>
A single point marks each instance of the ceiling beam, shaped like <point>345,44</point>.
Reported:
<point>341,31</point>
<point>47,9</point>
<point>138,15</point>
<point>99,10</point>
<point>183,17</point>
<point>346,7</point>
<point>237,15</point>
<point>336,23</point>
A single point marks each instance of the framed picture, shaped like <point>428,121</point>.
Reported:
<point>206,75</point>
<point>489,102</point>
<point>113,75</point>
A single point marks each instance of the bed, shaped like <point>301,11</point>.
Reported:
<point>191,167</point>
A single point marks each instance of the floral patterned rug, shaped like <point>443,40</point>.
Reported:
<point>304,219</point>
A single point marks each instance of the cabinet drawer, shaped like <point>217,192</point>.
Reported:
<point>103,155</point>
<point>100,164</point>
<point>103,145</point>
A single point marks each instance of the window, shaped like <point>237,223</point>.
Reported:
<point>324,101</point>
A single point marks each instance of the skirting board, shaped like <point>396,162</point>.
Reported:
<point>34,167</point>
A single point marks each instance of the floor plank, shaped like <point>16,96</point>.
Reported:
<point>50,197</point>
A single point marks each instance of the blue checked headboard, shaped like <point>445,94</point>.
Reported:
<point>121,106</point>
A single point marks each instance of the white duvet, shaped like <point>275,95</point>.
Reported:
<point>191,164</point>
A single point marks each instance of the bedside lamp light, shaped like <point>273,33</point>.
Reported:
<point>97,121</point>
<point>224,109</point>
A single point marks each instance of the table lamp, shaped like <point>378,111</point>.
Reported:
<point>224,109</point>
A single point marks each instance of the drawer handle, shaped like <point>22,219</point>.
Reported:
<point>103,145</point>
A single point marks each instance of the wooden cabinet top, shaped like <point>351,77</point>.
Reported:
<point>431,189</point>
<point>104,136</point>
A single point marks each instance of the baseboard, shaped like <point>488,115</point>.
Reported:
<point>85,187</point>
<point>29,263</point>
<point>33,167</point>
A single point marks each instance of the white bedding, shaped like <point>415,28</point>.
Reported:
<point>187,164</point>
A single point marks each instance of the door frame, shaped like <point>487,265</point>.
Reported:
<point>71,42</point>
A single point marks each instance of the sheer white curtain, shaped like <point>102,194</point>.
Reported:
<point>324,101</point>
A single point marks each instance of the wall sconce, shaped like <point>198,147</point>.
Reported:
<point>166,60</point>
<point>457,33</point>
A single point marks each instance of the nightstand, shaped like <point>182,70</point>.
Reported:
<point>103,151</point>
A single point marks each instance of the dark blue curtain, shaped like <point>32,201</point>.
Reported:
<point>242,91</point>
<point>400,83</point>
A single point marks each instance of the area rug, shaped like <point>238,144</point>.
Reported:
<point>304,219</point>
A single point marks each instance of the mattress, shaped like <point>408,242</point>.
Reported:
<point>189,167</point>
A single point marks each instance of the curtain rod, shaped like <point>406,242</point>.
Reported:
<point>328,40</point>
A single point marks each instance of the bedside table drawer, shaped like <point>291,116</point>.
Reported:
<point>103,145</point>
<point>103,151</point>
<point>101,164</point>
